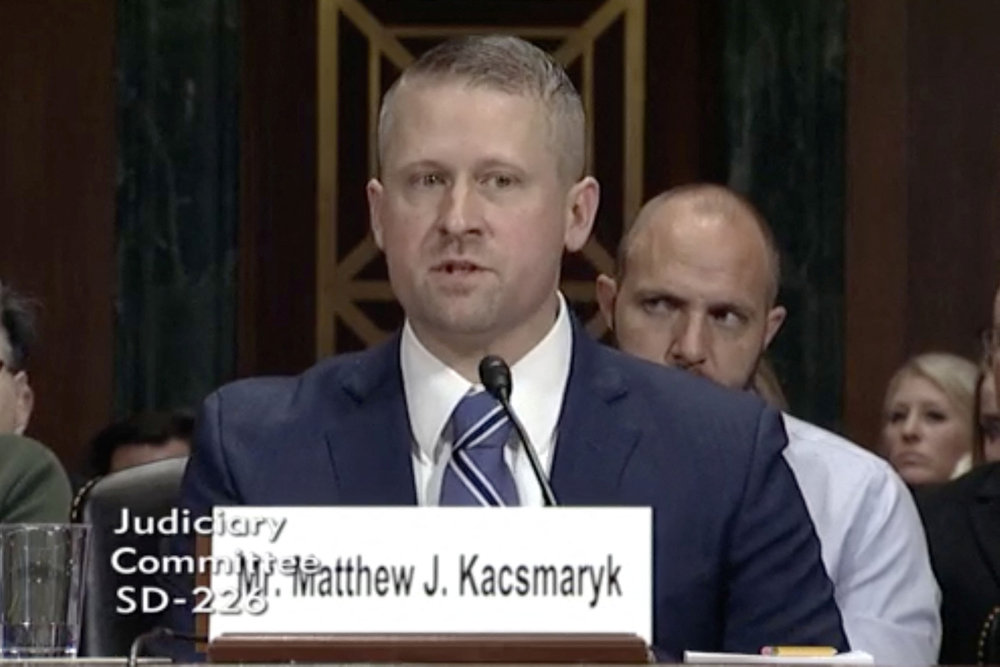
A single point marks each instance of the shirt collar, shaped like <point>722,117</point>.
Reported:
<point>539,380</point>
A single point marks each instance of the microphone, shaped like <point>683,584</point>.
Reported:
<point>494,373</point>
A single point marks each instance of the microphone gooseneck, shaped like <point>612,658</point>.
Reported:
<point>495,375</point>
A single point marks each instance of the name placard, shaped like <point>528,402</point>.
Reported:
<point>429,570</point>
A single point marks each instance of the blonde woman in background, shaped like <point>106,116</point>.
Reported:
<point>927,431</point>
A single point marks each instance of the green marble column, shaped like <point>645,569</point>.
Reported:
<point>784,116</point>
<point>178,136</point>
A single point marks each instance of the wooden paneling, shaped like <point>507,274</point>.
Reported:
<point>875,261</point>
<point>953,77</point>
<point>57,162</point>
<point>684,123</point>
<point>923,224</point>
<point>277,241</point>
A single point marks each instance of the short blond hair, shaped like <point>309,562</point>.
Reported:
<point>510,65</point>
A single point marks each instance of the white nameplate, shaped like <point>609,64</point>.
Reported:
<point>430,569</point>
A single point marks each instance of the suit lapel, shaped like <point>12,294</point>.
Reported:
<point>594,441</point>
<point>984,521</point>
<point>370,445</point>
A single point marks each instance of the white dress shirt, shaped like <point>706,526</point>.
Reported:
<point>873,545</point>
<point>433,390</point>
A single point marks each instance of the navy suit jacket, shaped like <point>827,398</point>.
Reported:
<point>737,562</point>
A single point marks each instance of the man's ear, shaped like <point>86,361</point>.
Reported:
<point>775,318</point>
<point>581,209</point>
<point>24,402</point>
<point>374,190</point>
<point>607,292</point>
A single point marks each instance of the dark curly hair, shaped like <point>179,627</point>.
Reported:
<point>17,317</point>
<point>154,428</point>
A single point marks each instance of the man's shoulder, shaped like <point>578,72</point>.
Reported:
<point>325,380</point>
<point>837,474</point>
<point>848,488</point>
<point>33,484</point>
<point>19,447</point>
<point>959,493</point>
<point>687,394</point>
<point>821,447</point>
<point>18,453</point>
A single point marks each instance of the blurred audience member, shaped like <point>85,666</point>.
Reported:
<point>142,438</point>
<point>33,485</point>
<point>991,340</point>
<point>962,520</point>
<point>17,335</point>
<point>927,431</point>
<point>987,444</point>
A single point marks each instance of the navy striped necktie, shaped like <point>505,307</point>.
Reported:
<point>477,473</point>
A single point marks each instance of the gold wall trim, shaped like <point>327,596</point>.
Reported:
<point>635,106</point>
<point>433,31</point>
<point>374,31</point>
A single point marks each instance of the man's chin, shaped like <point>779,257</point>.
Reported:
<point>473,321</point>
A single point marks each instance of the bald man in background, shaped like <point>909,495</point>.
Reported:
<point>696,288</point>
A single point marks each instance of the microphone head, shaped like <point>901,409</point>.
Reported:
<point>494,373</point>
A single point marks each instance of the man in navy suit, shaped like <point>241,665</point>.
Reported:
<point>481,188</point>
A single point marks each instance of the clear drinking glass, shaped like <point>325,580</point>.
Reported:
<point>41,589</point>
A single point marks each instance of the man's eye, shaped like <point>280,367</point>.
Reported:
<point>429,180</point>
<point>500,181</point>
<point>658,306</point>
<point>729,319</point>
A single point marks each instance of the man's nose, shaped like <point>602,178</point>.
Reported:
<point>459,209</point>
<point>690,348</point>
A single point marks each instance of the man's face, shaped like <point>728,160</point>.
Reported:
<point>695,296</point>
<point>472,211</point>
<point>996,353</point>
<point>16,398</point>
<point>989,418</point>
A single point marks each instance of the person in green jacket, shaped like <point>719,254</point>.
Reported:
<point>34,487</point>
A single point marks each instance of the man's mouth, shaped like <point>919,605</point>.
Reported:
<point>456,266</point>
